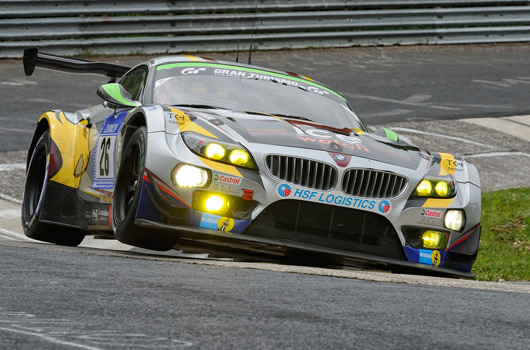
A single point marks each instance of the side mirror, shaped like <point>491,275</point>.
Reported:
<point>116,94</point>
<point>388,134</point>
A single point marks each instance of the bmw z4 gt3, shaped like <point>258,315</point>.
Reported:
<point>198,154</point>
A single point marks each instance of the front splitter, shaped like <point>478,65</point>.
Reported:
<point>244,247</point>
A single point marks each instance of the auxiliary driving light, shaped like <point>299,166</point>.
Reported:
<point>455,220</point>
<point>434,239</point>
<point>185,175</point>
<point>216,204</point>
<point>213,203</point>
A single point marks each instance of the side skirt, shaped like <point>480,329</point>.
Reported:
<point>62,206</point>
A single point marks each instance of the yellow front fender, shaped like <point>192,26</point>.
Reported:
<point>71,141</point>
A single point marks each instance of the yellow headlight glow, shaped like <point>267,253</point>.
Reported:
<point>215,151</point>
<point>434,239</point>
<point>424,189</point>
<point>239,157</point>
<point>216,204</point>
<point>442,189</point>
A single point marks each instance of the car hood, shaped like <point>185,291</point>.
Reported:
<point>251,129</point>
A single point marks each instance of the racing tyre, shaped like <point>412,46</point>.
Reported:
<point>34,192</point>
<point>127,196</point>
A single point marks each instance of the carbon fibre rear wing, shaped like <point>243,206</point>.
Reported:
<point>32,58</point>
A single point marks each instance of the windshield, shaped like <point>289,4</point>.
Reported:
<point>251,90</point>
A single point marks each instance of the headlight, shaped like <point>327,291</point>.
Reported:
<point>435,188</point>
<point>239,157</point>
<point>185,175</point>
<point>442,189</point>
<point>214,151</point>
<point>455,220</point>
<point>229,153</point>
<point>424,189</point>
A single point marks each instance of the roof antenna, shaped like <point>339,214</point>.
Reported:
<point>252,34</point>
<point>250,54</point>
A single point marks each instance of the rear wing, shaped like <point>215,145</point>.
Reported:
<point>32,58</point>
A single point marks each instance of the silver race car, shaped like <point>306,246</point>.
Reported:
<point>203,155</point>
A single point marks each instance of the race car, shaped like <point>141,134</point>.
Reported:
<point>229,158</point>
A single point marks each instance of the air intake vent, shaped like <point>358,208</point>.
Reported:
<point>373,184</point>
<point>328,226</point>
<point>302,172</point>
<point>69,208</point>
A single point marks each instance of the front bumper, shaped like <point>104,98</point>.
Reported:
<point>268,249</point>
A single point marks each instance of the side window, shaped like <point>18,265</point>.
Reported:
<point>134,82</point>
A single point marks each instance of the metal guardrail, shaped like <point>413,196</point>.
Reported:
<point>142,26</point>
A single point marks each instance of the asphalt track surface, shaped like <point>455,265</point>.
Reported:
<point>83,298</point>
<point>75,298</point>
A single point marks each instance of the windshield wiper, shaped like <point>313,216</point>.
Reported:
<point>199,106</point>
<point>291,116</point>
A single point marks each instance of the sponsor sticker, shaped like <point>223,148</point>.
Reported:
<point>192,71</point>
<point>430,221</point>
<point>436,257</point>
<point>225,224</point>
<point>227,179</point>
<point>287,191</point>
<point>430,257</point>
<point>209,221</point>
<point>428,213</point>
<point>241,74</point>
<point>219,186</point>
<point>425,257</point>
<point>284,190</point>
<point>104,161</point>
<point>384,207</point>
<point>335,141</point>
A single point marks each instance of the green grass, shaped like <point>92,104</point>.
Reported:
<point>504,250</point>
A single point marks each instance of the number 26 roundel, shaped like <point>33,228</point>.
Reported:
<point>104,164</point>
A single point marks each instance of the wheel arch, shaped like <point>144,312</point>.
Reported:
<point>136,120</point>
<point>42,126</point>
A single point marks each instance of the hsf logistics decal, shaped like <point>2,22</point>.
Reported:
<point>287,191</point>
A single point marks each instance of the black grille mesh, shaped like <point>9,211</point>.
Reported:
<point>69,208</point>
<point>372,183</point>
<point>328,226</point>
<point>302,172</point>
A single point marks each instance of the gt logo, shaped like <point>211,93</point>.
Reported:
<point>190,71</point>
<point>317,91</point>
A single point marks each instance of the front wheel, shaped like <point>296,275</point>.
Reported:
<point>127,196</point>
<point>34,191</point>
